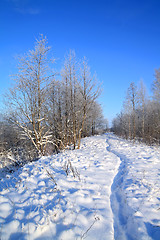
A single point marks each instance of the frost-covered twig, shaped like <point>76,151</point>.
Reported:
<point>84,235</point>
<point>68,167</point>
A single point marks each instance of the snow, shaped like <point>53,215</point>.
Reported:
<point>108,189</point>
<point>136,190</point>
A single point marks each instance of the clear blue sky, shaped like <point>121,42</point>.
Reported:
<point>120,38</point>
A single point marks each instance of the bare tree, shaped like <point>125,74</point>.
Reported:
<point>156,86</point>
<point>89,91</point>
<point>80,93</point>
<point>132,99</point>
<point>142,101</point>
<point>28,97</point>
<point>95,122</point>
<point>70,81</point>
<point>53,113</point>
<point>127,113</point>
<point>156,103</point>
<point>140,117</point>
<point>125,123</point>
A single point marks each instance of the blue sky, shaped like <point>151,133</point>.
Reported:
<point>120,38</point>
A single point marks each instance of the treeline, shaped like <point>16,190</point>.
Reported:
<point>47,110</point>
<point>140,117</point>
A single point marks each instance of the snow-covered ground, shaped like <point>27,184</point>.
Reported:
<point>109,189</point>
<point>135,198</point>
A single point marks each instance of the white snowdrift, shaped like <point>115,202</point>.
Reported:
<point>111,192</point>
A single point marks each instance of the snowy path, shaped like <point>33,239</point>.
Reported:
<point>135,198</point>
<point>44,203</point>
<point>111,192</point>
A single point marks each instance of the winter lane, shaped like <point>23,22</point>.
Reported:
<point>69,209</point>
<point>119,208</point>
<point>111,192</point>
<point>97,174</point>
